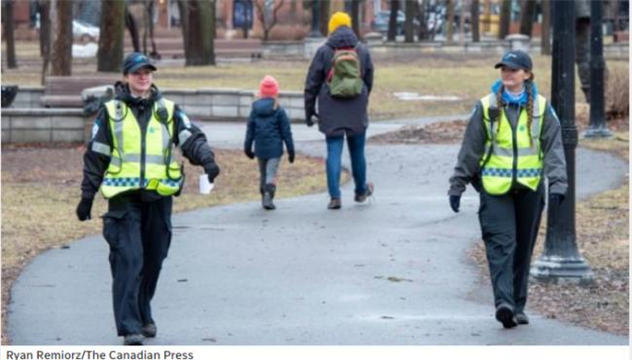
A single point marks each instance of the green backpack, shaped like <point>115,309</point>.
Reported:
<point>344,77</point>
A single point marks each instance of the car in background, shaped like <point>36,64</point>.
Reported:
<point>381,19</point>
<point>85,31</point>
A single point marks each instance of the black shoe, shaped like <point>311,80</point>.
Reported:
<point>149,330</point>
<point>133,339</point>
<point>522,318</point>
<point>369,191</point>
<point>505,315</point>
<point>334,204</point>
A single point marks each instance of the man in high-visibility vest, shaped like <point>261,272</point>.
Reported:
<point>131,158</point>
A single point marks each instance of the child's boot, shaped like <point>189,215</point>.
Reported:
<point>268,196</point>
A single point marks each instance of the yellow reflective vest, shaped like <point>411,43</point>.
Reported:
<point>512,155</point>
<point>142,161</point>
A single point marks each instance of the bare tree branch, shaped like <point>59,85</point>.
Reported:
<point>261,15</point>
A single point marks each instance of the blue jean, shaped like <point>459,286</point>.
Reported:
<point>334,163</point>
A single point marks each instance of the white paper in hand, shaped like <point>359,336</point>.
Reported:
<point>205,186</point>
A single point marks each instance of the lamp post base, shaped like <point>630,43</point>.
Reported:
<point>597,133</point>
<point>556,269</point>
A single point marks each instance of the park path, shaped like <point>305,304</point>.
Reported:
<point>393,271</point>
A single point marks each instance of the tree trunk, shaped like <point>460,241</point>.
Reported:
<point>199,38</point>
<point>43,7</point>
<point>110,53</point>
<point>409,24</point>
<point>475,20</point>
<point>9,38</point>
<point>355,17</point>
<point>462,25</point>
<point>546,27</point>
<point>324,15</point>
<point>149,30</point>
<point>450,21</point>
<point>526,17</point>
<point>183,6</point>
<point>505,19</point>
<point>132,27</point>
<point>392,22</point>
<point>61,57</point>
<point>45,36</point>
<point>422,30</point>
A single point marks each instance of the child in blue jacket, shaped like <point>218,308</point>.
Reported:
<point>268,128</point>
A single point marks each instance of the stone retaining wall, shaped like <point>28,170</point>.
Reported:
<point>44,125</point>
<point>26,121</point>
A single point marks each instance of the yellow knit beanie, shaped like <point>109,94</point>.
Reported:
<point>337,20</point>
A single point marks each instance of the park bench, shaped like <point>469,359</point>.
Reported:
<point>65,91</point>
<point>173,48</point>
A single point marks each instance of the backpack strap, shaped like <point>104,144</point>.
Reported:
<point>494,116</point>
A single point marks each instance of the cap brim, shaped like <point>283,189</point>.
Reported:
<point>509,65</point>
<point>140,66</point>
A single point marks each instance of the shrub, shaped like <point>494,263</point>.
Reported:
<point>617,89</point>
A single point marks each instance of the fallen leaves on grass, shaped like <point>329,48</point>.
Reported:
<point>449,132</point>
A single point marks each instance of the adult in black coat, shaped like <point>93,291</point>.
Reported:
<point>340,117</point>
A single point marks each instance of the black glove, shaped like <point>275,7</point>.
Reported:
<point>555,199</point>
<point>308,118</point>
<point>249,153</point>
<point>84,208</point>
<point>212,171</point>
<point>291,154</point>
<point>455,202</point>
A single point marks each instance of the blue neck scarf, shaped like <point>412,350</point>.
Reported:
<point>522,100</point>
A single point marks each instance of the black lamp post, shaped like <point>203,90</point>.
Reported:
<point>597,127</point>
<point>561,258</point>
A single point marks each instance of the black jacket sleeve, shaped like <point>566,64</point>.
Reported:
<point>554,158</point>
<point>97,156</point>
<point>191,140</point>
<point>286,130</point>
<point>368,72</point>
<point>250,132</point>
<point>314,81</point>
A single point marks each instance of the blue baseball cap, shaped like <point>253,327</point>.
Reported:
<point>516,59</point>
<point>136,61</point>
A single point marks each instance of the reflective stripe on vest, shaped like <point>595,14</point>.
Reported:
<point>498,172</point>
<point>132,167</point>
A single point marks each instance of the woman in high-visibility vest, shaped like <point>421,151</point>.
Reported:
<point>131,159</point>
<point>512,139</point>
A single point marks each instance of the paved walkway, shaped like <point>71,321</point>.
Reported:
<point>394,271</point>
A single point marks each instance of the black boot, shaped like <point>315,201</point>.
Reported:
<point>268,196</point>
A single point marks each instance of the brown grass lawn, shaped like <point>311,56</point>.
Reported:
<point>467,77</point>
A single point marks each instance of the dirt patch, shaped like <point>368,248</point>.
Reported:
<point>41,189</point>
<point>449,132</point>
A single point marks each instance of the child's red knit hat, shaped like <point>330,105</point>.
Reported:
<point>269,87</point>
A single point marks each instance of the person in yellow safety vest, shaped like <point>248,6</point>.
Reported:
<point>512,140</point>
<point>131,158</point>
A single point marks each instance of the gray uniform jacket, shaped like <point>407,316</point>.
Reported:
<point>473,150</point>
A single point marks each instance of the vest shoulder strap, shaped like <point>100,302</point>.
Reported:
<point>117,110</point>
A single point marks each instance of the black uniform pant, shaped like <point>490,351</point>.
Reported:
<point>139,235</point>
<point>510,224</point>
